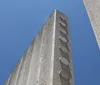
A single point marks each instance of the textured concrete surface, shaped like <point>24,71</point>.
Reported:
<point>93,10</point>
<point>48,59</point>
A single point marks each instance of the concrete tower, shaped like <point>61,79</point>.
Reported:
<point>93,10</point>
<point>48,59</point>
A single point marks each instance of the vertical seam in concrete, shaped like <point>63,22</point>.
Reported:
<point>21,63</point>
<point>38,67</point>
<point>53,48</point>
<point>8,81</point>
<point>40,53</point>
<point>29,67</point>
<point>18,71</point>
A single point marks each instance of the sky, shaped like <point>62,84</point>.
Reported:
<point>21,20</point>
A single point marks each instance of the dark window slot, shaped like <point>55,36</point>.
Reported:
<point>64,81</point>
<point>65,75</point>
<point>64,67</point>
<point>64,45</point>
<point>64,54</point>
<point>64,28</point>
<point>64,35</point>
<point>64,21</point>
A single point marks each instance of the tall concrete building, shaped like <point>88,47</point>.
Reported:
<point>93,10</point>
<point>48,60</point>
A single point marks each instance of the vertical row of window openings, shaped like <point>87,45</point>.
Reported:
<point>63,32</point>
<point>65,73</point>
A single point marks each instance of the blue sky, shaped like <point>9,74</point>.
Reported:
<point>21,20</point>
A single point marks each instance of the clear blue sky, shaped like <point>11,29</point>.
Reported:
<point>21,20</point>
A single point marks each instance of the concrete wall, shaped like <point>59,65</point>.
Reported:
<point>62,73</point>
<point>93,10</point>
<point>44,63</point>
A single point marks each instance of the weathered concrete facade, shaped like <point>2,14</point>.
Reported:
<point>48,59</point>
<point>93,10</point>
